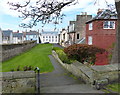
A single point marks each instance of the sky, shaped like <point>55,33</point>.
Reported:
<point>9,19</point>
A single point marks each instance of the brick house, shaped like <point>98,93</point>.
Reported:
<point>77,29</point>
<point>101,30</point>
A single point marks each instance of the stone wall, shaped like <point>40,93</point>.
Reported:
<point>11,50</point>
<point>18,82</point>
<point>89,74</point>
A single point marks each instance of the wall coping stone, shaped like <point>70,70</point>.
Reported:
<point>91,73</point>
<point>17,74</point>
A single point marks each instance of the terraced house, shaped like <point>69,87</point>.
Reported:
<point>32,36</point>
<point>77,29</point>
<point>49,37</point>
<point>7,36</point>
<point>101,30</point>
<point>18,38</point>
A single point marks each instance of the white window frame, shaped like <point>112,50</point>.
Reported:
<point>71,27</point>
<point>91,26</point>
<point>108,25</point>
<point>90,40</point>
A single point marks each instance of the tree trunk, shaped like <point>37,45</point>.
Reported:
<point>116,55</point>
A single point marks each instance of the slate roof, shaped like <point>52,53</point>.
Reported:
<point>49,32</point>
<point>105,14</point>
<point>6,33</point>
<point>32,33</point>
<point>17,34</point>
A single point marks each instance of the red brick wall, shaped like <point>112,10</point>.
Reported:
<point>103,38</point>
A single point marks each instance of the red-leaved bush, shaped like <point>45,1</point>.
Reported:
<point>83,52</point>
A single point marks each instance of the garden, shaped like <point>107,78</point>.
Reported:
<point>36,57</point>
<point>86,54</point>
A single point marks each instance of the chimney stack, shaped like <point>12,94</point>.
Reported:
<point>99,11</point>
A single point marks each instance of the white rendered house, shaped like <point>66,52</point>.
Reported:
<point>49,37</point>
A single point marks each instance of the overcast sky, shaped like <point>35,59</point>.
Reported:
<point>9,18</point>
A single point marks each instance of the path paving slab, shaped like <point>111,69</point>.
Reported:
<point>60,81</point>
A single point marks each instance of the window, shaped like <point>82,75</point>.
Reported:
<point>5,38</point>
<point>77,36</point>
<point>89,40</point>
<point>63,36</point>
<point>91,26</point>
<point>109,25</point>
<point>71,27</point>
<point>19,38</point>
<point>43,36</point>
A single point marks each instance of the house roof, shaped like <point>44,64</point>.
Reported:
<point>17,34</point>
<point>104,15</point>
<point>50,32</point>
<point>32,33</point>
<point>6,33</point>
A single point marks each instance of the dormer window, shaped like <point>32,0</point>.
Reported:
<point>91,26</point>
<point>109,25</point>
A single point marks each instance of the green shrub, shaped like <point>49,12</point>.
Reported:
<point>83,52</point>
<point>18,68</point>
<point>27,68</point>
<point>63,57</point>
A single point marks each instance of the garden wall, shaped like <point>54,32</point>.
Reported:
<point>89,74</point>
<point>18,82</point>
<point>11,50</point>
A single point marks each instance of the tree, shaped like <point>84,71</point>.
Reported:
<point>44,11</point>
<point>117,3</point>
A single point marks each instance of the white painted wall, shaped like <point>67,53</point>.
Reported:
<point>49,37</point>
<point>32,37</point>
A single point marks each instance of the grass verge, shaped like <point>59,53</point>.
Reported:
<point>36,57</point>
<point>114,87</point>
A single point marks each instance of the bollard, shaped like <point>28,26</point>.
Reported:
<point>38,81</point>
<point>100,83</point>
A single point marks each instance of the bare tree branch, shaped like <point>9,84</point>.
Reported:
<point>44,11</point>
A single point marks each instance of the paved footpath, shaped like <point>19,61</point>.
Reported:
<point>60,81</point>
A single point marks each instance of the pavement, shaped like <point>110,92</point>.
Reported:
<point>60,81</point>
<point>57,45</point>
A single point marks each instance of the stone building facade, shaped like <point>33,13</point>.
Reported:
<point>77,28</point>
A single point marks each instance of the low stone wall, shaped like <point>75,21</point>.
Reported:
<point>89,74</point>
<point>11,50</point>
<point>18,82</point>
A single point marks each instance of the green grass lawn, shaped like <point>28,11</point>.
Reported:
<point>114,87</point>
<point>36,57</point>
